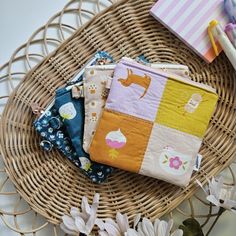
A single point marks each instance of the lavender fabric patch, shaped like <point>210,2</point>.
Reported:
<point>137,93</point>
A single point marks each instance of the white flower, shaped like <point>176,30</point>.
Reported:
<point>81,222</point>
<point>111,228</point>
<point>158,228</point>
<point>220,194</point>
<point>144,228</point>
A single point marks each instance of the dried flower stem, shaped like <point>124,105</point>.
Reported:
<point>220,212</point>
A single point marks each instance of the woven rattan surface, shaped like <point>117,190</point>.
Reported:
<point>50,183</point>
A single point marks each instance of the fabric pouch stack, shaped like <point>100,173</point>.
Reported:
<point>140,117</point>
<point>153,123</point>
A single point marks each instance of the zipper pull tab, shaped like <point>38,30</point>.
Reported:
<point>108,82</point>
<point>36,109</point>
<point>77,91</point>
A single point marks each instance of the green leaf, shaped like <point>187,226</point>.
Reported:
<point>166,157</point>
<point>191,227</point>
<point>164,162</point>
<point>183,167</point>
<point>185,162</point>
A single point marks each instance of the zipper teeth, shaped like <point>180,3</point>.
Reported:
<point>111,66</point>
<point>160,65</point>
<point>175,77</point>
<point>80,73</point>
<point>153,65</point>
<point>168,66</point>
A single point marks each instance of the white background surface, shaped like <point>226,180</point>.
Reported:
<point>18,20</point>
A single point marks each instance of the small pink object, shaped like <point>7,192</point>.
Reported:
<point>175,163</point>
<point>114,144</point>
<point>116,139</point>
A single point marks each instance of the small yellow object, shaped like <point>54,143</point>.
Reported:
<point>65,116</point>
<point>113,154</point>
<point>88,167</point>
<point>213,24</point>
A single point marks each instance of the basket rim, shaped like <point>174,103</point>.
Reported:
<point>11,98</point>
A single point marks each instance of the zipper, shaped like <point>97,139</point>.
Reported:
<point>53,100</point>
<point>102,67</point>
<point>152,65</point>
<point>105,67</point>
<point>138,66</point>
<point>160,65</point>
<point>71,85</point>
<point>169,66</point>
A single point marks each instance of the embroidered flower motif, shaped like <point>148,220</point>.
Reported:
<point>175,162</point>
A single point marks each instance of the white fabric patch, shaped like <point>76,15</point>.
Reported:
<point>67,111</point>
<point>170,155</point>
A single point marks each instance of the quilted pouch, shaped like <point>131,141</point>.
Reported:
<point>97,81</point>
<point>153,123</point>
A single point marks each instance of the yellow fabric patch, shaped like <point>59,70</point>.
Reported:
<point>120,141</point>
<point>186,108</point>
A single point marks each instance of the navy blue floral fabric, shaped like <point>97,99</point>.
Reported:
<point>66,133</point>
<point>71,111</point>
<point>61,127</point>
<point>53,134</point>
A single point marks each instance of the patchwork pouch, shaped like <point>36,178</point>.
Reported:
<point>97,81</point>
<point>153,123</point>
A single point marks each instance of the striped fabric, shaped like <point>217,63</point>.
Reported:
<point>188,19</point>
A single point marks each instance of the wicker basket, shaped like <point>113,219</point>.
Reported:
<point>49,182</point>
